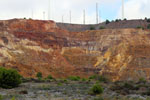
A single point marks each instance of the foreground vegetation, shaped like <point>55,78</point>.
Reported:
<point>95,87</point>
<point>9,78</point>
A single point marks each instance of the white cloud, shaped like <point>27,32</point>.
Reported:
<point>23,8</point>
<point>136,9</point>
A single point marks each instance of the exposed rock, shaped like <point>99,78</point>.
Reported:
<point>32,46</point>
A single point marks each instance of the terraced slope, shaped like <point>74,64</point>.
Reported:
<point>32,46</point>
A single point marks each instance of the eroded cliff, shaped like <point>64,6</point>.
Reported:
<point>32,46</point>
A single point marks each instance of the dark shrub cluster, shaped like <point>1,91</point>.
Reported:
<point>140,27</point>
<point>99,78</point>
<point>96,89</point>
<point>101,27</point>
<point>74,78</point>
<point>148,20</point>
<point>92,28</point>
<point>107,21</point>
<point>39,75</point>
<point>148,26</point>
<point>9,78</point>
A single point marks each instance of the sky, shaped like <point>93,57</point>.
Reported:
<point>60,9</point>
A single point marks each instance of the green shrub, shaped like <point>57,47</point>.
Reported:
<point>50,77</point>
<point>117,20</point>
<point>1,97</point>
<point>92,77</point>
<point>96,89</point>
<point>13,98</point>
<point>39,75</point>
<point>148,20</point>
<point>107,21</point>
<point>92,28</point>
<point>101,27</point>
<point>142,80</point>
<point>65,81</point>
<point>84,79</point>
<point>9,78</point>
<point>99,78</point>
<point>128,85</point>
<point>139,27</point>
<point>74,78</point>
<point>102,79</point>
<point>148,26</point>
<point>125,19</point>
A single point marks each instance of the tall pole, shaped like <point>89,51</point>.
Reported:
<point>32,13</point>
<point>96,13</point>
<point>84,16</point>
<point>70,17</point>
<point>43,15</point>
<point>99,16</point>
<point>122,9</point>
<point>62,18</point>
<point>48,9</point>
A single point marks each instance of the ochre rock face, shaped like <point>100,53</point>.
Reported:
<point>32,46</point>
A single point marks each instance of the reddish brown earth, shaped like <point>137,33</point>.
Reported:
<point>32,46</point>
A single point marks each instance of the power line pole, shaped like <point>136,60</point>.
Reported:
<point>99,16</point>
<point>70,17</point>
<point>96,13</point>
<point>48,9</point>
<point>62,18</point>
<point>84,16</point>
<point>43,15</point>
<point>122,9</point>
<point>32,13</point>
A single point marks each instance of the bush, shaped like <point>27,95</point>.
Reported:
<point>128,86</point>
<point>148,20</point>
<point>107,21</point>
<point>92,28</point>
<point>84,79</point>
<point>93,77</point>
<point>50,77</point>
<point>117,20</point>
<point>1,97</point>
<point>74,78</point>
<point>99,78</point>
<point>96,89</point>
<point>142,80</point>
<point>39,75</point>
<point>148,26</point>
<point>101,27</point>
<point>9,78</point>
<point>140,27</point>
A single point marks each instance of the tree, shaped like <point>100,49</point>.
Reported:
<point>107,21</point>
<point>101,27</point>
<point>39,75</point>
<point>148,26</point>
<point>92,28</point>
<point>9,78</point>
<point>148,20</point>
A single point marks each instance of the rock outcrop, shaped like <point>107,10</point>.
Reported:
<point>32,46</point>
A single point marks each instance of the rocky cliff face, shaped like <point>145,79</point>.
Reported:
<point>32,46</point>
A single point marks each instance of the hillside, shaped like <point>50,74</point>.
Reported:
<point>112,25</point>
<point>32,46</point>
